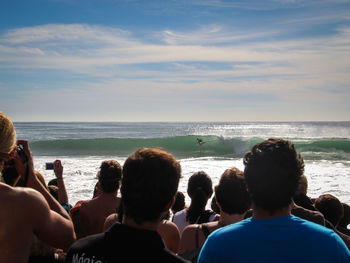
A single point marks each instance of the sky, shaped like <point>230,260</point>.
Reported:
<point>175,60</point>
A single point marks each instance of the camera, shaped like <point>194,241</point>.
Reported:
<point>49,166</point>
<point>21,153</point>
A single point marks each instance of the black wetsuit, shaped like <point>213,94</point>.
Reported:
<point>122,243</point>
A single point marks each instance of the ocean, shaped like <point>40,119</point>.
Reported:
<point>82,146</point>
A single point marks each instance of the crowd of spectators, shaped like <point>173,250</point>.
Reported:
<point>261,214</point>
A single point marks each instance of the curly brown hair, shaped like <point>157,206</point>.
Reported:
<point>272,171</point>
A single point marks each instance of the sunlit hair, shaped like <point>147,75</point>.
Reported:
<point>109,176</point>
<point>7,136</point>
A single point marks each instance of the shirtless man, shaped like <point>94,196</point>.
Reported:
<point>89,216</point>
<point>25,212</point>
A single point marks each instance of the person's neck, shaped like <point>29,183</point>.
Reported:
<point>227,219</point>
<point>144,225</point>
<point>259,212</point>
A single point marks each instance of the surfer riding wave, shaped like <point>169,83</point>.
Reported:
<point>200,142</point>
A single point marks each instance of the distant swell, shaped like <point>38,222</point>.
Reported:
<point>186,146</point>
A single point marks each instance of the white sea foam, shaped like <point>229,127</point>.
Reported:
<point>325,147</point>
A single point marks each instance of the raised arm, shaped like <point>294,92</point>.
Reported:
<point>62,192</point>
<point>33,182</point>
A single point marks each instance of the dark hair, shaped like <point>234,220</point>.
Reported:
<point>150,180</point>
<point>97,190</point>
<point>330,207</point>
<point>302,185</point>
<point>179,203</point>
<point>214,205</point>
<point>272,172</point>
<point>231,192</point>
<point>199,189</point>
<point>53,182</point>
<point>53,189</point>
<point>346,217</point>
<point>109,176</point>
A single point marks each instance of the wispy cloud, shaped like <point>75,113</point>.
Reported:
<point>207,65</point>
<point>83,48</point>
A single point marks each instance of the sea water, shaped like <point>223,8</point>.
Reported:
<point>325,147</point>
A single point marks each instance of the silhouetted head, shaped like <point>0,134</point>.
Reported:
<point>346,217</point>
<point>330,207</point>
<point>179,203</point>
<point>231,193</point>
<point>149,183</point>
<point>199,182</point>
<point>272,171</point>
<point>199,189</point>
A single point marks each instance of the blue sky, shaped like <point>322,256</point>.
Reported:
<point>180,60</point>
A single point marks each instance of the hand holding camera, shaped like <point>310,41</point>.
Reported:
<point>23,160</point>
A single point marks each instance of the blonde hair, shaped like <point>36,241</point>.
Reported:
<point>7,136</point>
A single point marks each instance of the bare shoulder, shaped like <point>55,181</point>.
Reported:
<point>112,217</point>
<point>190,229</point>
<point>169,224</point>
<point>110,220</point>
<point>168,227</point>
<point>22,202</point>
<point>170,234</point>
<point>187,242</point>
<point>24,196</point>
<point>190,232</point>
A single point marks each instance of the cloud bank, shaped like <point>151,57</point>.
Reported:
<point>181,72</point>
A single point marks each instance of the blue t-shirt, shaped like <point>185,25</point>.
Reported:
<point>281,239</point>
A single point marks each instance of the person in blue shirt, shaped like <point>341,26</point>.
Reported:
<point>272,172</point>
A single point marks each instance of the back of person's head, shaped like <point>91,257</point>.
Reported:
<point>346,217</point>
<point>214,206</point>
<point>109,176</point>
<point>330,207</point>
<point>53,189</point>
<point>272,172</point>
<point>199,189</point>
<point>179,203</point>
<point>231,192</point>
<point>149,183</point>
<point>7,137</point>
<point>302,186</point>
<point>53,182</point>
